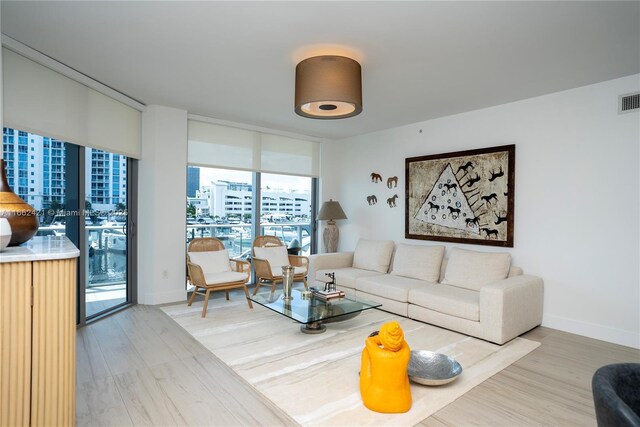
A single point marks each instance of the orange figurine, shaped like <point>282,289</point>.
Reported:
<point>384,383</point>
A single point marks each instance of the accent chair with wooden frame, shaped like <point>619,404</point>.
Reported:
<point>210,268</point>
<point>269,256</point>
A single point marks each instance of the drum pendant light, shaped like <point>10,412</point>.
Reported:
<point>328,87</point>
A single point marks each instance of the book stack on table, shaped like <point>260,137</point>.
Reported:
<point>327,295</point>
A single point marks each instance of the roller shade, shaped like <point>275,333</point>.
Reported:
<point>232,148</point>
<point>42,101</point>
<point>222,146</point>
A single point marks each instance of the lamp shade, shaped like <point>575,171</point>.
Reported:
<point>328,87</point>
<point>331,210</point>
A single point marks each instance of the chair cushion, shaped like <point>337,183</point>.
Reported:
<point>387,286</point>
<point>211,261</point>
<point>224,277</point>
<point>277,256</point>
<point>450,300</point>
<point>471,269</point>
<point>418,262</point>
<point>374,255</point>
<point>345,277</point>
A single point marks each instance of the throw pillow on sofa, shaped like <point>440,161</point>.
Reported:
<point>373,255</point>
<point>420,262</point>
<point>471,269</point>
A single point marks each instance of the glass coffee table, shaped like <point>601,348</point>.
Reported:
<point>313,312</point>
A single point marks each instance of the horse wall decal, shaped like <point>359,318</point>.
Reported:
<point>376,177</point>
<point>392,181</point>
<point>372,199</point>
<point>391,201</point>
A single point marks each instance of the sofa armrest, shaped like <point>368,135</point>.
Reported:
<point>511,307</point>
<point>328,261</point>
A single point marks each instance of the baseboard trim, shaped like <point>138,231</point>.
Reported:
<point>155,298</point>
<point>592,330</point>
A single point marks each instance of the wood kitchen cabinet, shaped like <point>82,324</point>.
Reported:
<point>38,333</point>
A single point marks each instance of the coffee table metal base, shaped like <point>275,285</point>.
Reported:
<point>313,328</point>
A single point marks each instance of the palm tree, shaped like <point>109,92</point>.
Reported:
<point>191,210</point>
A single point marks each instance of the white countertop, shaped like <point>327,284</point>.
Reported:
<point>41,248</point>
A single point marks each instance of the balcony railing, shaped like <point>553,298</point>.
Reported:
<point>107,246</point>
<point>237,238</point>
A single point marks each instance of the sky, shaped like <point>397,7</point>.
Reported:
<point>284,182</point>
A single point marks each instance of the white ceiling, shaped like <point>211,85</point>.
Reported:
<point>421,60</point>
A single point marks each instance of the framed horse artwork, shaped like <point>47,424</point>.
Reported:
<point>462,197</point>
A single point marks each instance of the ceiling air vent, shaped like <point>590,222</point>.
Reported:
<point>629,102</point>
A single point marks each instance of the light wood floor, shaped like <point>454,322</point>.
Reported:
<point>138,367</point>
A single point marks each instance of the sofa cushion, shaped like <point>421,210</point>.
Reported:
<point>374,255</point>
<point>387,286</point>
<point>276,255</point>
<point>471,269</point>
<point>458,302</point>
<point>420,262</point>
<point>513,270</point>
<point>211,262</point>
<point>345,277</point>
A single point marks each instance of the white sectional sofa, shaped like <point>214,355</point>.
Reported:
<point>475,293</point>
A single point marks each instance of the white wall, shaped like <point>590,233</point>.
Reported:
<point>576,201</point>
<point>162,193</point>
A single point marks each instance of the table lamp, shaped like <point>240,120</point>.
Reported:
<point>330,211</point>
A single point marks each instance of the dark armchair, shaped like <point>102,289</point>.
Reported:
<point>616,395</point>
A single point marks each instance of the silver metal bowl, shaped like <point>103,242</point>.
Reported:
<point>429,368</point>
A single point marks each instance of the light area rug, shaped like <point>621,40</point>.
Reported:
<point>314,378</point>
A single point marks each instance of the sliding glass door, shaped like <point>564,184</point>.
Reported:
<point>86,195</point>
<point>106,226</point>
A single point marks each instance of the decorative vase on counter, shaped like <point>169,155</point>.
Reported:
<point>21,216</point>
<point>5,233</point>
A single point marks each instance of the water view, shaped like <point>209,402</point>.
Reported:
<point>238,238</point>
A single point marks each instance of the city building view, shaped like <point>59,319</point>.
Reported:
<point>225,199</point>
<point>224,208</point>
<point>35,168</point>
